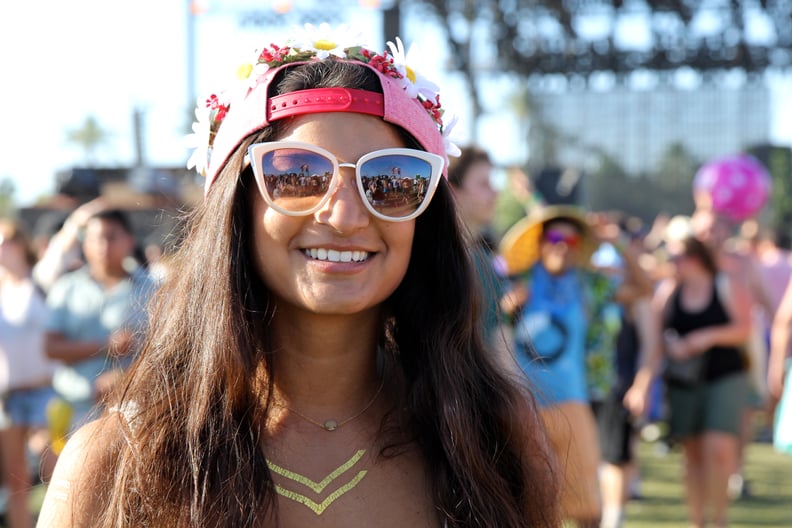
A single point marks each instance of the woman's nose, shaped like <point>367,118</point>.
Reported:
<point>344,211</point>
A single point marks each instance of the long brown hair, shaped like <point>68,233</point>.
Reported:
<point>695,248</point>
<point>189,453</point>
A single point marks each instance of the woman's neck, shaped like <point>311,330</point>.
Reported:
<point>325,362</point>
<point>698,281</point>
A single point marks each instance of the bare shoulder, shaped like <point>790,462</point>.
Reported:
<point>81,462</point>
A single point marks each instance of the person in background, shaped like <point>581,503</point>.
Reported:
<point>705,316</point>
<point>62,252</point>
<point>718,231</point>
<point>469,176</point>
<point>563,336</point>
<point>774,264</point>
<point>634,362</point>
<point>25,372</point>
<point>95,312</point>
<point>780,341</point>
<point>315,356</point>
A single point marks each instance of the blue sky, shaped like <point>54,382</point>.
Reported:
<point>65,61</point>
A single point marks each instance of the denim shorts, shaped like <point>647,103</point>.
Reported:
<point>27,407</point>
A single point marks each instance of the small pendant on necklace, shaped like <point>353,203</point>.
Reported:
<point>330,425</point>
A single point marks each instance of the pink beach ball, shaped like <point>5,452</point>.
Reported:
<point>736,186</point>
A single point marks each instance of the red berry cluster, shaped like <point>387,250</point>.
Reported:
<point>275,54</point>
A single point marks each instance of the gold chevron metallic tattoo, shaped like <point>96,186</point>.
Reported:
<point>317,487</point>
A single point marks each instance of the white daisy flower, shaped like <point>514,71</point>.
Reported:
<point>412,81</point>
<point>325,40</point>
<point>199,140</point>
<point>252,74</point>
<point>450,147</point>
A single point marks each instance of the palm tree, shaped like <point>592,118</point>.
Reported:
<point>88,137</point>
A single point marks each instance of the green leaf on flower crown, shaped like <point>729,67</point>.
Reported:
<point>296,55</point>
<point>355,53</point>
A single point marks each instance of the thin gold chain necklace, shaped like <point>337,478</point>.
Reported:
<point>332,425</point>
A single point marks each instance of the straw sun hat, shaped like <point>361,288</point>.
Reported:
<point>519,246</point>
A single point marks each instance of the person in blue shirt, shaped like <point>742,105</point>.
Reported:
<point>95,314</point>
<point>564,334</point>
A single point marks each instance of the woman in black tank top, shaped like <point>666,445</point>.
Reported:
<point>720,360</point>
<point>705,415</point>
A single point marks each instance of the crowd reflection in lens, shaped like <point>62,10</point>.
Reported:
<point>383,191</point>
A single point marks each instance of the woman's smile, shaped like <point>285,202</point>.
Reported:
<point>334,255</point>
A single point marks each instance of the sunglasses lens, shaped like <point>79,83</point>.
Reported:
<point>396,184</point>
<point>554,237</point>
<point>557,237</point>
<point>296,179</point>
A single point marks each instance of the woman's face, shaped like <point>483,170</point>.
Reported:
<point>476,197</point>
<point>341,259</point>
<point>681,262</point>
<point>560,247</point>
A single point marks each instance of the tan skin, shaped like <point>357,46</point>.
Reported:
<point>325,332</point>
<point>780,337</point>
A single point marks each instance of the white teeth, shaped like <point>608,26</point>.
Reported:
<point>333,255</point>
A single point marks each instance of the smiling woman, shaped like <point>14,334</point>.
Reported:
<point>317,355</point>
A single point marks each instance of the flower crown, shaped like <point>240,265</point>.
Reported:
<point>314,44</point>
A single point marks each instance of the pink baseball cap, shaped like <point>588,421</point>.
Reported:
<point>407,100</point>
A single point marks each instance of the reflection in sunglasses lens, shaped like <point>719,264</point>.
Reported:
<point>296,179</point>
<point>396,184</point>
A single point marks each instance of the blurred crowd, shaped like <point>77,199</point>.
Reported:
<point>616,322</point>
<point>72,311</point>
<point>675,327</point>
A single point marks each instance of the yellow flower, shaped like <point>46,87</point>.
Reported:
<point>243,71</point>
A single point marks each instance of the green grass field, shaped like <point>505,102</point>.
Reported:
<point>768,473</point>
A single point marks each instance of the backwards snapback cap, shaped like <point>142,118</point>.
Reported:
<point>407,100</point>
